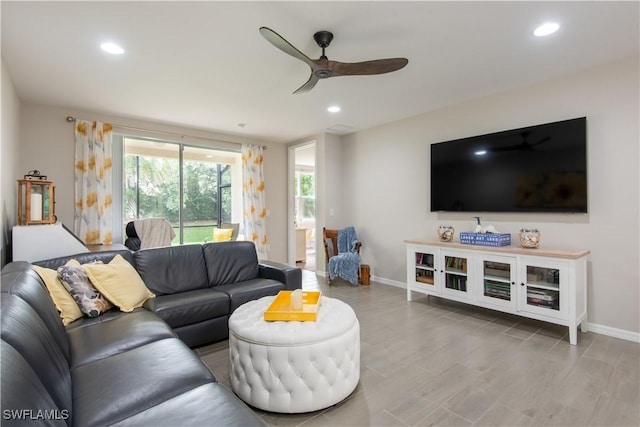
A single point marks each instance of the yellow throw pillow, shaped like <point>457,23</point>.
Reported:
<point>119,282</point>
<point>222,234</point>
<point>64,302</point>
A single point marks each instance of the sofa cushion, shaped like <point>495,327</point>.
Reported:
<point>205,332</point>
<point>24,330</point>
<point>76,281</point>
<point>189,307</point>
<point>242,292</point>
<point>119,282</point>
<point>115,332</point>
<point>18,278</point>
<point>18,380</point>
<point>208,402</point>
<point>113,389</point>
<point>171,270</point>
<point>230,262</point>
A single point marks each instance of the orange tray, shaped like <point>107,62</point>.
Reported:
<point>280,308</point>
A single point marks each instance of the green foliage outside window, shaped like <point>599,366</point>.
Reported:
<point>304,183</point>
<point>153,192</point>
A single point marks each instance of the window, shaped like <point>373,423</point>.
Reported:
<point>189,186</point>
<point>305,189</point>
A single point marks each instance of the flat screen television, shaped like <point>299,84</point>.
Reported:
<point>540,168</point>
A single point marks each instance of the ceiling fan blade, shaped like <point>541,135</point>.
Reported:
<point>278,41</point>
<point>378,66</point>
<point>308,85</point>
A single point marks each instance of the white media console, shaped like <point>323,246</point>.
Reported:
<point>543,284</point>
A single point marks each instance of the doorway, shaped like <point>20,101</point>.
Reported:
<point>302,211</point>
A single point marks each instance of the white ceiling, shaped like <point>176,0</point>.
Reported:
<point>205,65</point>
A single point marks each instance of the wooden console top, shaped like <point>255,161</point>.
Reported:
<point>541,251</point>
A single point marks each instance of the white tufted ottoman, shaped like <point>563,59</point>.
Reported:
<point>294,366</point>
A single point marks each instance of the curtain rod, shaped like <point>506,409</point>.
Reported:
<point>73,119</point>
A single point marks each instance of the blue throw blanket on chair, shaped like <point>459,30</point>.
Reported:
<point>347,262</point>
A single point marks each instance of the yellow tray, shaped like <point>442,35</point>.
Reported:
<point>280,308</point>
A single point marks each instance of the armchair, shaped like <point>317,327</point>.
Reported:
<point>342,254</point>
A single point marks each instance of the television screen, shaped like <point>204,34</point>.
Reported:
<point>540,168</point>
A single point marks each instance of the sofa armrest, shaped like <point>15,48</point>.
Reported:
<point>290,276</point>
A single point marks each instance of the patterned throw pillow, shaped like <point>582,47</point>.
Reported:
<point>76,281</point>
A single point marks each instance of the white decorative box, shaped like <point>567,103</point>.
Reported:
<point>485,239</point>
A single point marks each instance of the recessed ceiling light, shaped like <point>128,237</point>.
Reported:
<point>546,29</point>
<point>480,152</point>
<point>333,109</point>
<point>112,48</point>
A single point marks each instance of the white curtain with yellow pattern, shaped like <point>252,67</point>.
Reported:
<point>253,198</point>
<point>93,172</point>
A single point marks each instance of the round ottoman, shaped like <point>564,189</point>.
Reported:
<point>294,366</point>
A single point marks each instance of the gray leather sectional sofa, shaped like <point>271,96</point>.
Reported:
<point>131,368</point>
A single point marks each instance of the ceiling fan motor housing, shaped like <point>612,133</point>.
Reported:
<point>323,38</point>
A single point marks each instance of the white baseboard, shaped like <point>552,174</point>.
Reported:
<point>615,332</point>
<point>593,327</point>
<point>389,282</point>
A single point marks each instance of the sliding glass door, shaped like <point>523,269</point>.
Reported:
<point>189,186</point>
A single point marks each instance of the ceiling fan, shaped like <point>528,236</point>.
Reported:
<point>323,68</point>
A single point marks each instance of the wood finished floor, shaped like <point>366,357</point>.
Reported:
<point>431,362</point>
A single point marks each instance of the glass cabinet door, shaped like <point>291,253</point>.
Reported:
<point>455,274</point>
<point>497,280</point>
<point>543,288</point>
<point>425,269</point>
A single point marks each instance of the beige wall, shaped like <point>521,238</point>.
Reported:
<point>378,179</point>
<point>8,154</point>
<point>47,144</point>
<point>387,181</point>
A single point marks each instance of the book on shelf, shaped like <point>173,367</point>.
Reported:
<point>497,290</point>
<point>424,279</point>
<point>542,295</point>
<point>496,284</point>
<point>457,263</point>
<point>506,297</point>
<point>542,303</point>
<point>497,265</point>
<point>500,286</point>
<point>498,272</point>
<point>457,283</point>
<point>424,259</point>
